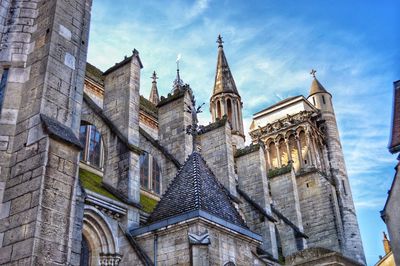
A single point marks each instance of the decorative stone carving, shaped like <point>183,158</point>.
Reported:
<point>203,239</point>
<point>110,259</point>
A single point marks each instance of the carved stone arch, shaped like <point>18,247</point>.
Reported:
<point>299,129</point>
<point>279,137</point>
<point>288,133</point>
<point>268,141</point>
<point>102,242</point>
<point>230,263</point>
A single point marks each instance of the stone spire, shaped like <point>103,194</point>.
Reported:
<point>224,81</point>
<point>154,97</point>
<point>225,99</point>
<point>316,86</point>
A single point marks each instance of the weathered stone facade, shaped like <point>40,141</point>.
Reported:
<point>89,170</point>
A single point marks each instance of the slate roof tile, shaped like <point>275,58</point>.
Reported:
<point>196,188</point>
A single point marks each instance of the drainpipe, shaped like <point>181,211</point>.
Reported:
<point>155,250</point>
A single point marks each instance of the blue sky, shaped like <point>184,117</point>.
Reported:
<point>271,47</point>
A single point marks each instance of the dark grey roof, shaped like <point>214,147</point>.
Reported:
<point>196,188</point>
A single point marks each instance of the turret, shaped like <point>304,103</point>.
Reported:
<point>154,97</point>
<point>322,100</point>
<point>225,99</point>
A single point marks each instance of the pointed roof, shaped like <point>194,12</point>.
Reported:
<point>195,188</point>
<point>154,97</point>
<point>316,87</point>
<point>224,81</point>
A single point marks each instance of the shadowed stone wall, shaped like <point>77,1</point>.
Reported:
<point>253,181</point>
<point>44,46</point>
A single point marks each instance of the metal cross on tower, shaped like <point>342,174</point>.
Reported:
<point>220,41</point>
<point>313,71</point>
<point>154,77</point>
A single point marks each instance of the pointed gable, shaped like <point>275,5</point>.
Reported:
<point>196,188</point>
<point>224,81</point>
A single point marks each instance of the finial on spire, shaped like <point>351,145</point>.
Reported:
<point>154,77</point>
<point>313,71</point>
<point>178,82</point>
<point>220,41</point>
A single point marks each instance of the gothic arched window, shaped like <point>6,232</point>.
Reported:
<point>219,109</point>
<point>150,173</point>
<point>229,111</point>
<point>92,153</point>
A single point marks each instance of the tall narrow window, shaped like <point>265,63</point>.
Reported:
<point>3,84</point>
<point>150,173</point>
<point>344,187</point>
<point>229,107</point>
<point>144,170</point>
<point>156,177</point>
<point>94,147</point>
<point>82,138</point>
<point>313,99</point>
<point>90,138</point>
<point>219,109</point>
<point>323,99</point>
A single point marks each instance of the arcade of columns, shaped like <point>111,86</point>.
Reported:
<point>284,147</point>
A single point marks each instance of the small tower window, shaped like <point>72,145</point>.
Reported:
<point>3,84</point>
<point>344,187</point>
<point>219,109</point>
<point>323,99</point>
<point>229,107</point>
<point>313,99</point>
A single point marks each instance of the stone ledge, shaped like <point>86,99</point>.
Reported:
<point>59,131</point>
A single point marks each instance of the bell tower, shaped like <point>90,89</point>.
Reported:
<point>322,100</point>
<point>225,100</point>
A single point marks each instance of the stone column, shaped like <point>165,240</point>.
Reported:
<point>235,123</point>
<point>299,151</point>
<point>288,150</point>
<point>311,151</point>
<point>268,157</point>
<point>45,45</point>
<point>278,154</point>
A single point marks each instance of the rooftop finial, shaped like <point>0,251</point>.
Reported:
<point>154,77</point>
<point>220,41</point>
<point>178,83</point>
<point>194,129</point>
<point>313,71</point>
